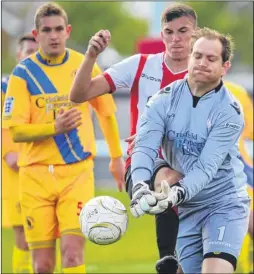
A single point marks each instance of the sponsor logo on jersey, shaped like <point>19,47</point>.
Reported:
<point>233,126</point>
<point>53,102</point>
<point>151,78</point>
<point>187,141</point>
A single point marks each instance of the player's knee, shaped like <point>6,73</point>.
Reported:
<point>72,250</point>
<point>71,256</point>
<point>43,266</point>
<point>43,260</point>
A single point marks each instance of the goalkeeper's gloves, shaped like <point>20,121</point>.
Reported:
<point>146,201</point>
<point>174,194</point>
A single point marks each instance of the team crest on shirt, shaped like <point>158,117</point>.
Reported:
<point>29,222</point>
<point>8,106</point>
<point>236,107</point>
<point>74,72</point>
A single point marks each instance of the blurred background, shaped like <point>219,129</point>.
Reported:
<point>130,24</point>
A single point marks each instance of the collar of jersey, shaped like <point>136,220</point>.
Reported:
<point>59,60</point>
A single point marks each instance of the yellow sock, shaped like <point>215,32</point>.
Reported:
<point>58,262</point>
<point>58,267</point>
<point>75,269</point>
<point>21,261</point>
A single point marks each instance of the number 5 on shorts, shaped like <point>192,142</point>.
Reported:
<point>79,207</point>
<point>221,232</point>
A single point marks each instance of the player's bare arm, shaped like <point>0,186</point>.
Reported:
<point>84,87</point>
<point>65,122</point>
<point>11,158</point>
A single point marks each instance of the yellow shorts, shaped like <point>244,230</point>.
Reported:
<point>51,200</point>
<point>245,260</point>
<point>10,197</point>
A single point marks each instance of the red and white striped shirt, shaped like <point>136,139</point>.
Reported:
<point>144,75</point>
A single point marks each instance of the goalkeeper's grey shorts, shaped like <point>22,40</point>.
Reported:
<point>159,163</point>
<point>210,230</point>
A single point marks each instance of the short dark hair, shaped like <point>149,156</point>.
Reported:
<point>176,11</point>
<point>25,37</point>
<point>49,9</point>
<point>226,41</point>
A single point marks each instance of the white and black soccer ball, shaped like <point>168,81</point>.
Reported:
<point>103,220</point>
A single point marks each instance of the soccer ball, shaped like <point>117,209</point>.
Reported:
<point>103,220</point>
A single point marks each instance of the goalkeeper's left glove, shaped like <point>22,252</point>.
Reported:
<point>174,194</point>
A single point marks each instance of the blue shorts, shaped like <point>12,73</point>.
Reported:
<point>219,227</point>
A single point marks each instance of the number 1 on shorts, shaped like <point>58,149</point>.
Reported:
<point>221,233</point>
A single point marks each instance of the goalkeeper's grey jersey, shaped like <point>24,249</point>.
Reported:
<point>199,138</point>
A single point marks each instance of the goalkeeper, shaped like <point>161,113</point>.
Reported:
<point>198,123</point>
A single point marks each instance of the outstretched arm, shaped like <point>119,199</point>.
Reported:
<point>84,86</point>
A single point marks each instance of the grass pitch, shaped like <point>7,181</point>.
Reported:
<point>136,252</point>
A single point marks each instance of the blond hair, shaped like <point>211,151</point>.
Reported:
<point>49,9</point>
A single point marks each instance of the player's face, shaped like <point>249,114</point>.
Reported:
<point>52,35</point>
<point>28,48</point>
<point>206,65</point>
<point>176,36</point>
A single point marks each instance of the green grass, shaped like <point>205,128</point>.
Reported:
<point>136,252</point>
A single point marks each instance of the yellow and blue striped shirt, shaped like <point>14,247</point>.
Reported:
<point>36,91</point>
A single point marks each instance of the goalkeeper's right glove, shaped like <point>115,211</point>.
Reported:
<point>146,201</point>
<point>174,194</point>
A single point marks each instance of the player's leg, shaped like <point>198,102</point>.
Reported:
<point>189,240</point>
<point>21,259</point>
<point>223,235</point>
<point>37,196</point>
<point>77,187</point>
<point>167,222</point>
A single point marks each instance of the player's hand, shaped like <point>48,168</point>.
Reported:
<point>66,120</point>
<point>131,141</point>
<point>116,167</point>
<point>144,201</point>
<point>11,159</point>
<point>173,195</point>
<point>98,43</point>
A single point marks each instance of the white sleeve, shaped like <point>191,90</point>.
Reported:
<point>122,74</point>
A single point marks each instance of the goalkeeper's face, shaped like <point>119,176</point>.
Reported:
<point>52,35</point>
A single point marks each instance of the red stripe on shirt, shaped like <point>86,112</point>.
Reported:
<point>110,81</point>
<point>134,102</point>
